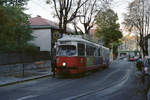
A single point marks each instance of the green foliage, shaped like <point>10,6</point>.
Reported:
<point>115,47</point>
<point>15,31</point>
<point>28,49</point>
<point>108,28</point>
<point>31,49</point>
<point>13,2</point>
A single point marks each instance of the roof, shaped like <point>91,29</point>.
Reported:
<point>42,23</point>
<point>39,21</point>
<point>78,38</point>
<point>72,38</point>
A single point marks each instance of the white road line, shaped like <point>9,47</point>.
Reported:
<point>27,97</point>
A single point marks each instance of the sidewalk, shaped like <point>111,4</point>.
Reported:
<point>32,71</point>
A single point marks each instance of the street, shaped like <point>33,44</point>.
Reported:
<point>105,43</point>
<point>118,82</point>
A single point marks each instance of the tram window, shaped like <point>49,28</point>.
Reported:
<point>90,50</point>
<point>99,52</point>
<point>102,52</point>
<point>66,50</point>
<point>81,49</point>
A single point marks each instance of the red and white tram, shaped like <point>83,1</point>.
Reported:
<point>76,55</point>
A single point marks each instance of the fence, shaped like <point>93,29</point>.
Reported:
<point>14,58</point>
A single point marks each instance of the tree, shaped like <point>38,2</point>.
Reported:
<point>108,28</point>
<point>137,20</point>
<point>88,14</point>
<point>13,2</point>
<point>15,31</point>
<point>87,18</point>
<point>66,11</point>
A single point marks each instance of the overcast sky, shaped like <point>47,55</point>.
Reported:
<point>39,7</point>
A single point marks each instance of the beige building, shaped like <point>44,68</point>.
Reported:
<point>93,32</point>
<point>129,43</point>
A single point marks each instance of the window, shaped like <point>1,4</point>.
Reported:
<point>81,49</point>
<point>66,50</point>
<point>99,52</point>
<point>90,50</point>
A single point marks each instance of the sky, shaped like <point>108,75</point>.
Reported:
<point>39,7</point>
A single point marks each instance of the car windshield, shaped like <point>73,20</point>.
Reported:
<point>66,50</point>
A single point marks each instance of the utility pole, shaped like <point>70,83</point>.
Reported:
<point>23,73</point>
<point>111,53</point>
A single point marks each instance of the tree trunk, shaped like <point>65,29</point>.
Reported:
<point>65,25</point>
<point>65,28</point>
<point>60,25</point>
<point>144,49</point>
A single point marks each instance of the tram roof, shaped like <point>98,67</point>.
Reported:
<point>79,38</point>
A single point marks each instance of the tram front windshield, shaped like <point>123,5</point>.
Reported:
<point>66,50</point>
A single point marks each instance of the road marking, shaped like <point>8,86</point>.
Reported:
<point>27,97</point>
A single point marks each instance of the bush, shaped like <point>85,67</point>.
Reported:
<point>27,49</point>
<point>14,30</point>
<point>31,49</point>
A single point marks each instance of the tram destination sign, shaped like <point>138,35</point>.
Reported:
<point>66,42</point>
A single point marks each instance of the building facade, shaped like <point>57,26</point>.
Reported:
<point>42,31</point>
<point>129,44</point>
<point>45,32</point>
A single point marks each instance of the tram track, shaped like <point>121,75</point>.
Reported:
<point>104,90</point>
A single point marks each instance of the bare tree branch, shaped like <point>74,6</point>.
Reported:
<point>138,20</point>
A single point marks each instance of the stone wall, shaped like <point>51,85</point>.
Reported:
<point>14,58</point>
<point>32,68</point>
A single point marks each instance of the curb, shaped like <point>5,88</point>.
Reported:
<point>25,80</point>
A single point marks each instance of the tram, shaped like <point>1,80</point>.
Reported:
<point>77,55</point>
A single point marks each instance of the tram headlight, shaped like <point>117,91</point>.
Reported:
<point>64,64</point>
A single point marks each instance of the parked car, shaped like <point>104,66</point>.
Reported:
<point>147,73</point>
<point>147,65</point>
<point>131,59</point>
<point>136,58</point>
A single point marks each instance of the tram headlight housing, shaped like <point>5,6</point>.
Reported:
<point>64,64</point>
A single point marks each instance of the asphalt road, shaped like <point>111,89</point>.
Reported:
<point>118,82</point>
